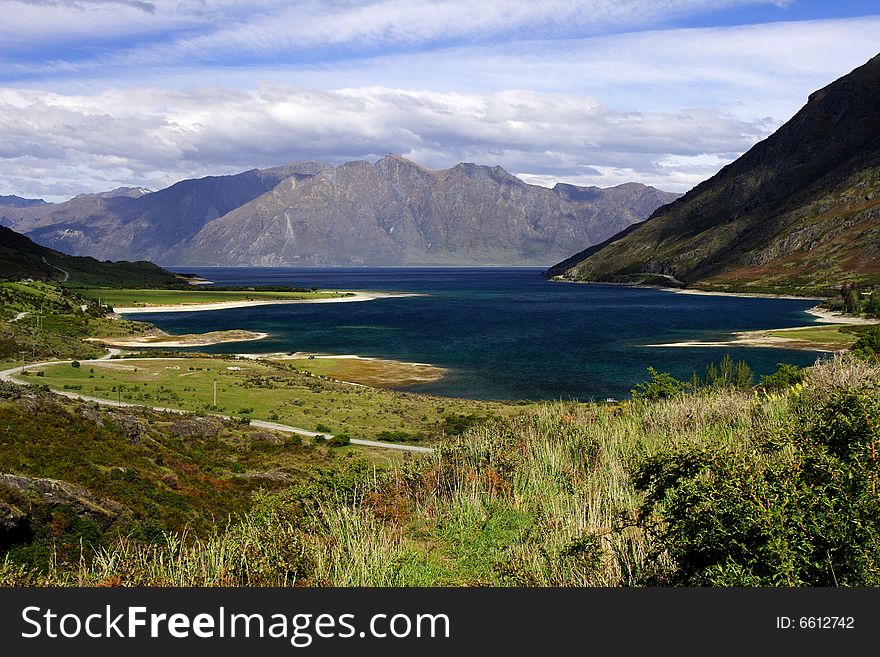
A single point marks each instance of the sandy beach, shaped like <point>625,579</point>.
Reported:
<point>226,305</point>
<point>306,355</point>
<point>745,295</point>
<point>755,339</point>
<point>835,317</point>
<point>186,340</point>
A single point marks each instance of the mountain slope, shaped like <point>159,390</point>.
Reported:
<point>126,223</point>
<point>799,211</point>
<point>396,212</point>
<point>20,258</point>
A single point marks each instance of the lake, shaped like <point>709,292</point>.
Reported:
<point>504,333</point>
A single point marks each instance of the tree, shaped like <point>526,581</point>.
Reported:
<point>661,386</point>
<point>872,305</point>
<point>727,374</point>
<point>851,297</point>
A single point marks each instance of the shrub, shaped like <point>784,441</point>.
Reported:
<point>661,386</point>
<point>323,428</point>
<point>868,345</point>
<point>785,376</point>
<point>75,364</point>
<point>339,440</point>
<point>798,509</point>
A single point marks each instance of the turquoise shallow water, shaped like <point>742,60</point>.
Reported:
<point>504,333</point>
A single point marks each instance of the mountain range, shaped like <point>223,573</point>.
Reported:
<point>390,212</point>
<point>800,211</point>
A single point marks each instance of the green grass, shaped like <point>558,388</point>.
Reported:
<point>267,391</point>
<point>827,335</point>
<point>135,297</point>
<point>58,322</point>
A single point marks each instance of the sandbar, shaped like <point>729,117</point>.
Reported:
<point>225,305</point>
<point>186,340</point>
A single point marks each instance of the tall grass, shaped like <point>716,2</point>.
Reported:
<point>540,500</point>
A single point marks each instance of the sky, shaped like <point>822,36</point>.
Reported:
<point>96,94</point>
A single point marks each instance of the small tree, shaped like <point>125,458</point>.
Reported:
<point>726,374</point>
<point>785,376</point>
<point>851,297</point>
<point>661,386</point>
<point>872,305</point>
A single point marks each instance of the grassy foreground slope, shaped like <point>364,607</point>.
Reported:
<point>712,488</point>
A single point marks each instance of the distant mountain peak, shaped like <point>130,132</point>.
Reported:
<point>19,202</point>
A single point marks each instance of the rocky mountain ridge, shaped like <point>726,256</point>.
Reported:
<point>390,212</point>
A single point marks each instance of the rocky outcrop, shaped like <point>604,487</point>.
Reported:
<point>54,493</point>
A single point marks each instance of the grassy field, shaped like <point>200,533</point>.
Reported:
<point>268,391</point>
<point>133,297</point>
<point>832,336</point>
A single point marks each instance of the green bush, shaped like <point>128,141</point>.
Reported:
<point>339,440</point>
<point>75,364</point>
<point>456,424</point>
<point>661,386</point>
<point>868,345</point>
<point>800,509</point>
<point>785,376</point>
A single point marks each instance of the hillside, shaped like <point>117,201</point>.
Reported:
<point>390,212</point>
<point>798,212</point>
<point>21,258</point>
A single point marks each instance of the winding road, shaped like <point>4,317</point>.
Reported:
<point>9,376</point>
<point>66,274</point>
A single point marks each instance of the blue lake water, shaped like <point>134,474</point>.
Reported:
<point>503,333</point>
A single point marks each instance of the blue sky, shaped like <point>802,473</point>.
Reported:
<point>100,93</point>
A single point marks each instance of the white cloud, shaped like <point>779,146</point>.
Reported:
<point>664,107</point>
<point>217,28</point>
<point>152,136</point>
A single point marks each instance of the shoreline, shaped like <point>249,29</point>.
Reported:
<point>187,340</point>
<point>694,291</point>
<point>308,355</point>
<point>226,305</point>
